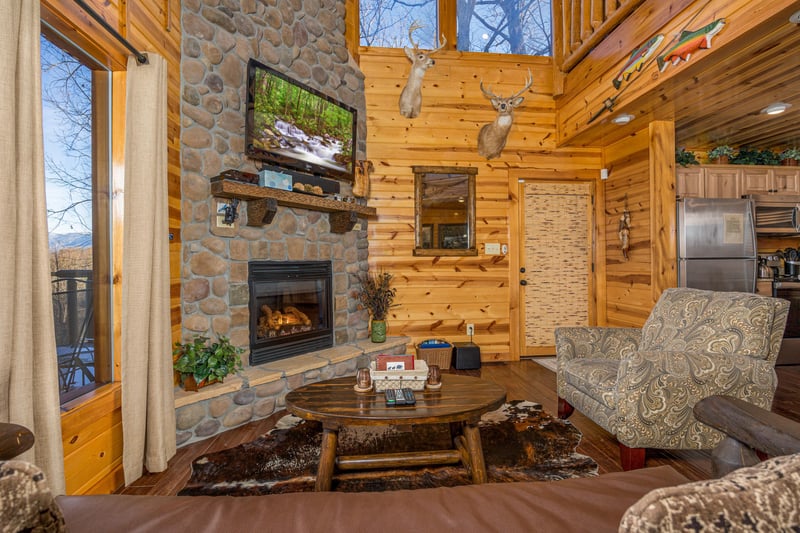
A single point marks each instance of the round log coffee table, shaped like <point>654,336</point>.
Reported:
<point>460,402</point>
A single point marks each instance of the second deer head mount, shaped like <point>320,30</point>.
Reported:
<point>492,137</point>
<point>411,97</point>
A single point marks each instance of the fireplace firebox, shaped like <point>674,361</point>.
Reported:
<point>291,308</point>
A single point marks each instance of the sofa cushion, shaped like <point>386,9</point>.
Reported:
<point>26,503</point>
<point>594,377</point>
<point>765,497</point>
<point>691,320</point>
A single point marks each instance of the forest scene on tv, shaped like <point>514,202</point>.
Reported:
<point>292,122</point>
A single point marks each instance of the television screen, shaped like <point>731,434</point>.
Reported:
<point>292,125</point>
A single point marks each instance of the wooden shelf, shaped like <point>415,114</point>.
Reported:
<point>262,202</point>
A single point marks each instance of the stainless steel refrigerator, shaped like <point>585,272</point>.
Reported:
<point>717,244</point>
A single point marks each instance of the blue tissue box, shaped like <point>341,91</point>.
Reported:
<point>275,180</point>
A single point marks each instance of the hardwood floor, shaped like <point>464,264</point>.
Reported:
<point>523,380</point>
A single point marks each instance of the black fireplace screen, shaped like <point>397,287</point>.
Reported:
<point>291,308</point>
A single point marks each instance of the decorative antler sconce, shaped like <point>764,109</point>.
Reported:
<point>624,231</point>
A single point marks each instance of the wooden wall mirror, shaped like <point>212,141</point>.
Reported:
<point>444,209</point>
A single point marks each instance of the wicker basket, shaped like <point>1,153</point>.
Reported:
<point>399,379</point>
<point>439,353</point>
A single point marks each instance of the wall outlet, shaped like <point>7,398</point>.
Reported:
<point>492,248</point>
<point>470,329</point>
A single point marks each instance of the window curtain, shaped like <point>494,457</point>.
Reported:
<point>148,405</point>
<point>28,365</point>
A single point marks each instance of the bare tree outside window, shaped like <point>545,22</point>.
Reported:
<point>505,26</point>
<point>494,26</point>
<point>68,153</point>
<point>385,23</point>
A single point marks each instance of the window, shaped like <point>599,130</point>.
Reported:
<point>494,26</point>
<point>75,113</point>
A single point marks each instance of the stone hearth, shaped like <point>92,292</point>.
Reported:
<point>259,391</point>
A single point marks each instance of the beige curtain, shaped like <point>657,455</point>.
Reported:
<point>148,405</point>
<point>28,366</point>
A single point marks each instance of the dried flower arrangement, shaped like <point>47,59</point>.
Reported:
<point>375,293</point>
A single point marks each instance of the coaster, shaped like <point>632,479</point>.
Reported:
<point>359,389</point>
<point>433,387</point>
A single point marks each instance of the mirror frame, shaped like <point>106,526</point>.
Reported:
<point>419,176</point>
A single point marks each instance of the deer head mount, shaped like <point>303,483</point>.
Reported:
<point>411,97</point>
<point>492,137</point>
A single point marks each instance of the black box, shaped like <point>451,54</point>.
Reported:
<point>466,356</point>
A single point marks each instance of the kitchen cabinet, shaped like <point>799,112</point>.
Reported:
<point>723,182</point>
<point>689,182</point>
<point>735,181</point>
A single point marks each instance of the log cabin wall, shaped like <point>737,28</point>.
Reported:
<point>438,296</point>
<point>91,429</point>
<point>628,282</point>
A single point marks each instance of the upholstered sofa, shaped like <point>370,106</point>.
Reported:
<point>641,384</point>
<point>765,497</point>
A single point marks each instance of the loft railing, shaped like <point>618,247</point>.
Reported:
<point>579,25</point>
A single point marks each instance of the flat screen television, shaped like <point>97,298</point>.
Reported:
<point>293,126</point>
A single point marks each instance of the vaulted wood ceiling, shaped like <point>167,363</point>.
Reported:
<point>721,103</point>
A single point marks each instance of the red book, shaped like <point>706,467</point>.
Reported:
<point>394,362</point>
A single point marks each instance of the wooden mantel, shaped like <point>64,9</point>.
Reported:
<point>262,204</point>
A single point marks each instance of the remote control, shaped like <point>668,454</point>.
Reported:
<point>408,394</point>
<point>390,401</point>
<point>399,398</point>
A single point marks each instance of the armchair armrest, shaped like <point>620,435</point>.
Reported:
<point>14,439</point>
<point>596,342</point>
<point>656,392</point>
<point>748,427</point>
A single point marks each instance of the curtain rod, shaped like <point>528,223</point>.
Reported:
<point>140,57</point>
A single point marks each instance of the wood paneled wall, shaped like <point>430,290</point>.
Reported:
<point>642,180</point>
<point>628,283</point>
<point>438,296</point>
<point>91,428</point>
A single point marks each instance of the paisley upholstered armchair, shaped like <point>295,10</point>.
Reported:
<point>641,384</point>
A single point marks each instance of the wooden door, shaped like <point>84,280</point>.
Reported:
<point>556,253</point>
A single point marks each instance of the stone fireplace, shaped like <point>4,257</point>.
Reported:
<point>291,309</point>
<point>304,40</point>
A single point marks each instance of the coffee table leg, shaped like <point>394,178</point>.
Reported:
<point>327,459</point>
<point>473,437</point>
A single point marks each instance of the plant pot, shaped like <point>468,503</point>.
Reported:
<point>722,160</point>
<point>190,384</point>
<point>789,162</point>
<point>378,331</point>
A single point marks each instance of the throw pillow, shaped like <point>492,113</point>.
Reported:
<point>765,497</point>
<point>26,503</point>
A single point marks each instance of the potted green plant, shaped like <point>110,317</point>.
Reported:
<point>721,154</point>
<point>790,156</point>
<point>202,363</point>
<point>377,297</point>
<point>685,158</point>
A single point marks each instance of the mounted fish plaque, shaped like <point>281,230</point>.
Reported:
<point>689,43</point>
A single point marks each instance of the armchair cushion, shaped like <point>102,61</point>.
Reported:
<point>657,391</point>
<point>596,378</point>
<point>691,320</point>
<point>765,497</point>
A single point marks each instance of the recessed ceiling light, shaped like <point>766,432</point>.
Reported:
<point>622,119</point>
<point>776,108</point>
<point>795,18</point>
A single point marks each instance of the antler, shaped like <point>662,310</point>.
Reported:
<point>417,26</point>
<point>411,29</point>
<point>528,82</point>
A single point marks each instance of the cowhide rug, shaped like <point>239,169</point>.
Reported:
<point>521,442</point>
